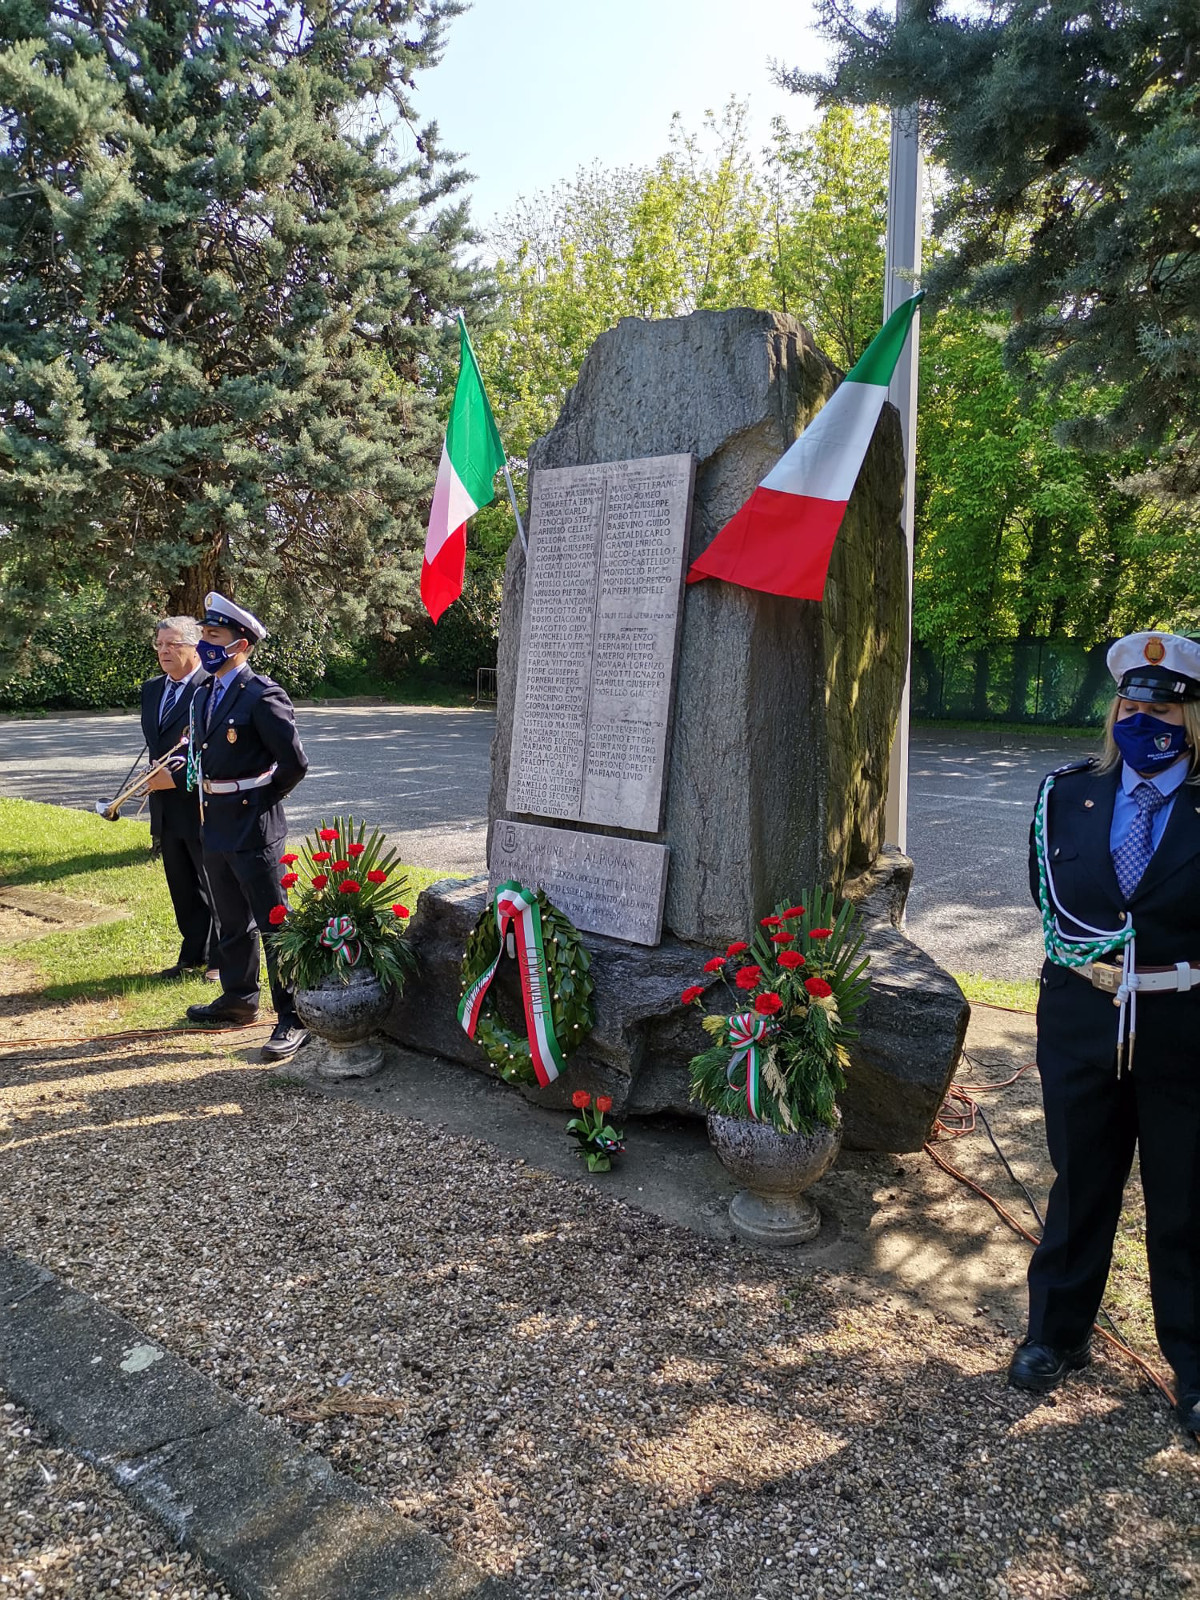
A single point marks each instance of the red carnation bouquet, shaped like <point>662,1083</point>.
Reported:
<point>341,917</point>
<point>779,1047</point>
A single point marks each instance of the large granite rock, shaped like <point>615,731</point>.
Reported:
<point>911,1029</point>
<point>783,721</point>
<point>784,709</point>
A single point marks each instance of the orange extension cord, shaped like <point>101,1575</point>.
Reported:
<point>958,1117</point>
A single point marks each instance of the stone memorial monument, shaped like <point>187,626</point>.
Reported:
<point>704,752</point>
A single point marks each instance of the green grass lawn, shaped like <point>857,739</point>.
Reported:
<point>1019,994</point>
<point>78,854</point>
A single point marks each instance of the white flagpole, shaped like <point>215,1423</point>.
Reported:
<point>902,270</point>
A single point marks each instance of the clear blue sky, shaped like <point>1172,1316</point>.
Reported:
<point>530,90</point>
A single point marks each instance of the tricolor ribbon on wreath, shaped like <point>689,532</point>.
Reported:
<point>747,1030</point>
<point>517,909</point>
<point>339,937</point>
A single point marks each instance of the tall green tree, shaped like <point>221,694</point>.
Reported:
<point>1070,134</point>
<point>221,304</point>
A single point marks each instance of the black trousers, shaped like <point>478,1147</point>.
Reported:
<point>1094,1121</point>
<point>183,863</point>
<point>245,887</point>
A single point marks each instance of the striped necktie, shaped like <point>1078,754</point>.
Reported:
<point>174,690</point>
<point>214,700</point>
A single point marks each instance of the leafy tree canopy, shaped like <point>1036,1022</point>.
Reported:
<point>1070,135</point>
<point>221,300</point>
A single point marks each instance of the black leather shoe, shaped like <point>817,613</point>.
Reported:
<point>169,973</point>
<point>1042,1367</point>
<point>1188,1410</point>
<point>223,1010</point>
<point>286,1038</point>
<point>181,969</point>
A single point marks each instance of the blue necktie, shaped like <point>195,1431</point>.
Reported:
<point>214,700</point>
<point>168,705</point>
<point>1132,856</point>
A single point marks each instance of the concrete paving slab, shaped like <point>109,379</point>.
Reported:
<point>273,1521</point>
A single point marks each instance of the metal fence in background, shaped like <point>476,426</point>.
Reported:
<point>1013,680</point>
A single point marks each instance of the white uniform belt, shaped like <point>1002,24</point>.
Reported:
<point>1107,975</point>
<point>237,785</point>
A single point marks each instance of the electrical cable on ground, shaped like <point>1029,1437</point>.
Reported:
<point>956,1120</point>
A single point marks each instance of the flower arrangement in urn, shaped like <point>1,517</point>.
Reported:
<point>342,943</point>
<point>771,1078</point>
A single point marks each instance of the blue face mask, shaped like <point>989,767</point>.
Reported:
<point>1148,743</point>
<point>213,656</point>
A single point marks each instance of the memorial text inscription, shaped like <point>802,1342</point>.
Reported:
<point>598,641</point>
<point>604,883</point>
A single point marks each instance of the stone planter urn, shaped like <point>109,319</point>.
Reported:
<point>345,1016</point>
<point>777,1169</point>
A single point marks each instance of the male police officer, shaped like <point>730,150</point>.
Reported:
<point>174,813</point>
<point>249,755</point>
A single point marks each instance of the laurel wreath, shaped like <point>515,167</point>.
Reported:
<point>568,967</point>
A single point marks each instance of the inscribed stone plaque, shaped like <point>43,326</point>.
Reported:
<point>603,599</point>
<point>603,883</point>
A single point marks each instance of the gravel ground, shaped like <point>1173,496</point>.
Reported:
<point>67,1534</point>
<point>572,1393</point>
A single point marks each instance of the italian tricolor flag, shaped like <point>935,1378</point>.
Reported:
<point>471,457</point>
<point>782,538</point>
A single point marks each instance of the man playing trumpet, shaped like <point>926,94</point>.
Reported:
<point>174,813</point>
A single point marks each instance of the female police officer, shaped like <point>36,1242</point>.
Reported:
<point>1115,866</point>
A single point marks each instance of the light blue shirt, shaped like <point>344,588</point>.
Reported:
<point>1125,807</point>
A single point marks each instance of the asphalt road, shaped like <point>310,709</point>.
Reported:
<point>422,773</point>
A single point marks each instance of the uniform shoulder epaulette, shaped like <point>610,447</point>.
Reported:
<point>1086,765</point>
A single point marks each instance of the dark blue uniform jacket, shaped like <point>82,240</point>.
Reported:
<point>1165,907</point>
<point>254,727</point>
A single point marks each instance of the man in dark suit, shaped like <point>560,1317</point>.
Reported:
<point>246,756</point>
<point>175,814</point>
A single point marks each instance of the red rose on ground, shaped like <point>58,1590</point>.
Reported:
<point>603,1103</point>
<point>790,959</point>
<point>276,915</point>
<point>320,879</point>
<point>715,964</point>
<point>290,880</point>
<point>768,1004</point>
<point>771,922</point>
<point>581,1099</point>
<point>375,876</point>
<point>818,988</point>
<point>320,855</point>
<point>782,938</point>
<point>399,911</point>
<point>348,886</point>
<point>748,977</point>
<point>341,866</point>
<point>288,861</point>
<point>819,933</point>
<point>327,834</point>
<point>355,849</point>
<point>794,911</point>
<point>691,993</point>
<point>736,949</point>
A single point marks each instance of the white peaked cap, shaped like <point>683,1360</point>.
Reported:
<point>1162,666</point>
<point>222,613</point>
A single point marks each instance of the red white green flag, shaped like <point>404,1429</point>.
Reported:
<point>782,538</point>
<point>471,456</point>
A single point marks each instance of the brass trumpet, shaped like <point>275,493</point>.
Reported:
<point>110,810</point>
